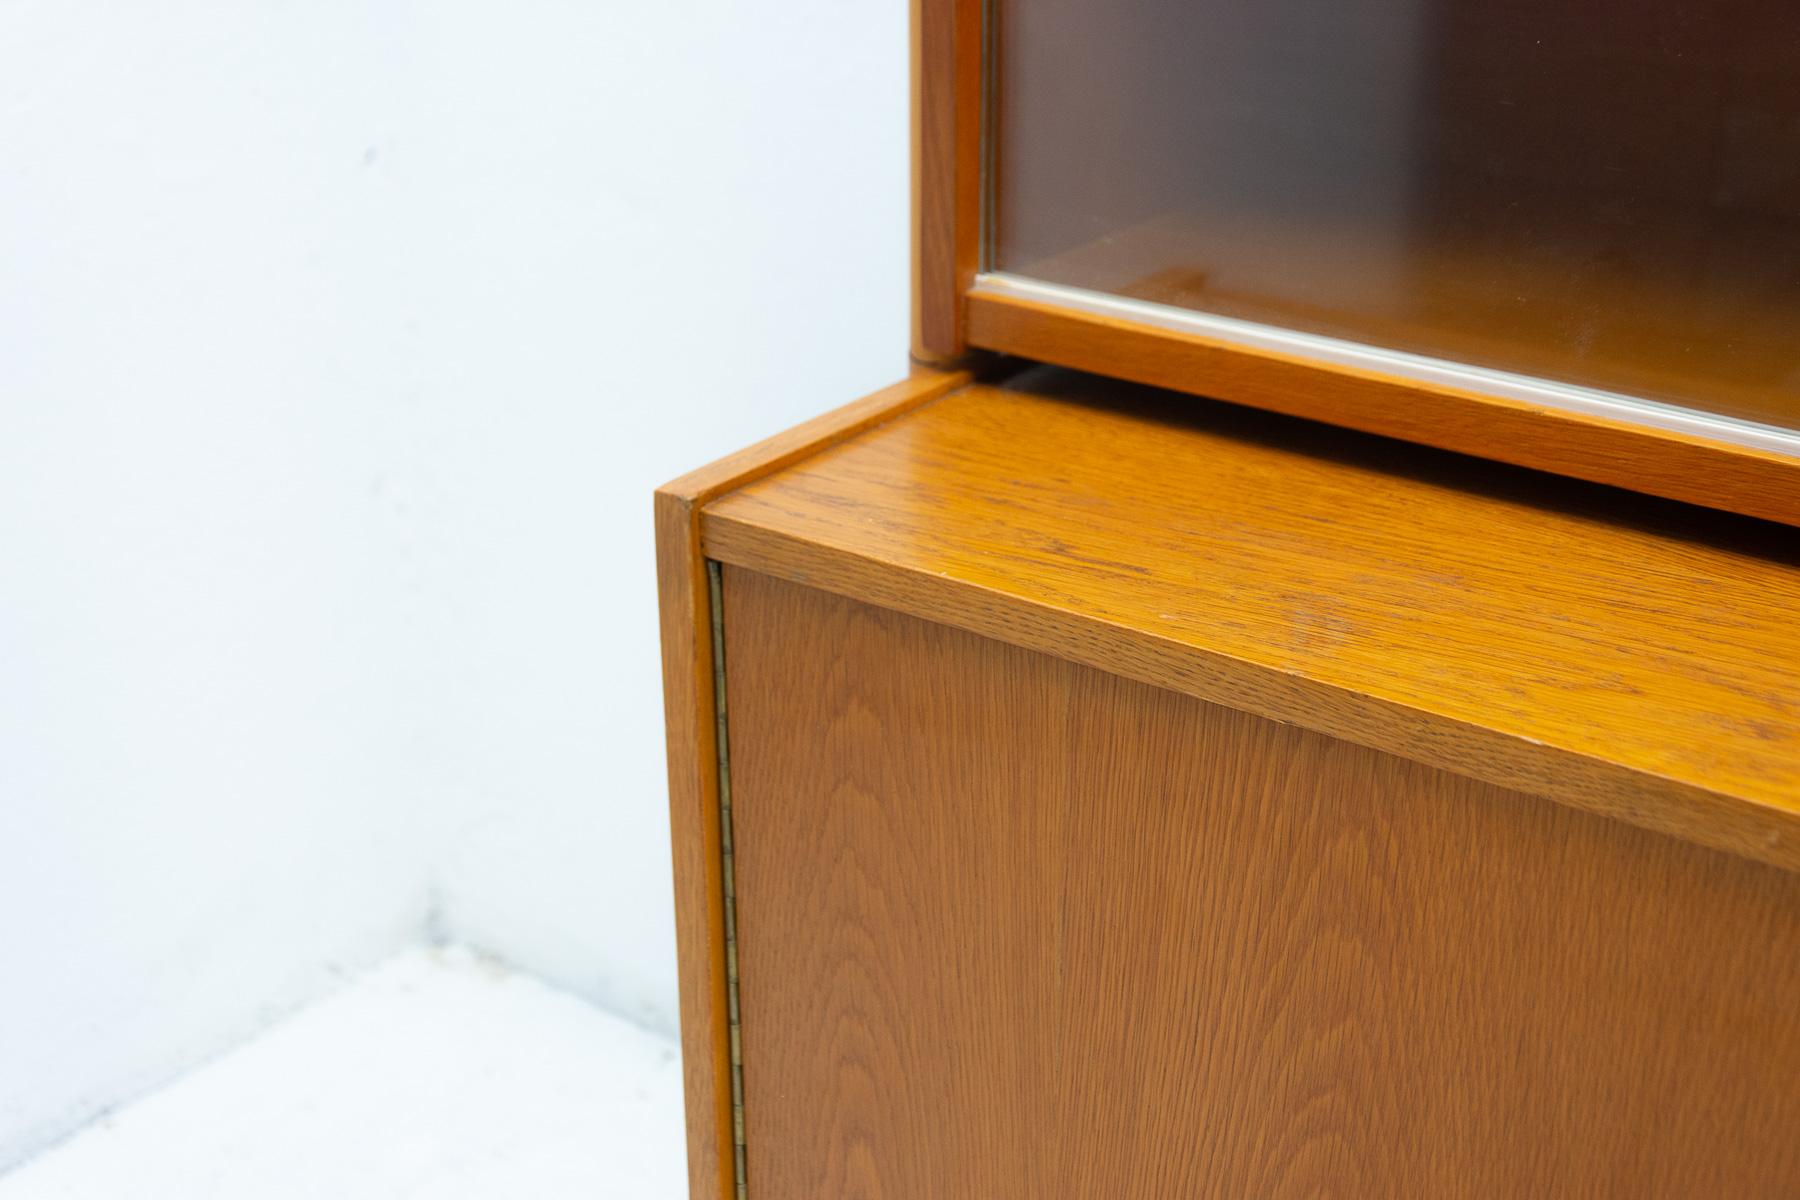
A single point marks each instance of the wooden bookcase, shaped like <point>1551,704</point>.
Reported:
<point>1295,781</point>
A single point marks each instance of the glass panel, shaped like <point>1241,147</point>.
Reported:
<point>1602,192</point>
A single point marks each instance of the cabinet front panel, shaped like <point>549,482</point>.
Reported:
<point>1010,928</point>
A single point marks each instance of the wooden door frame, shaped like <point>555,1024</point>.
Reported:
<point>694,726</point>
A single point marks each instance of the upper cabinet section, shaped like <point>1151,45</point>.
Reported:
<point>1602,194</point>
<point>1589,209</point>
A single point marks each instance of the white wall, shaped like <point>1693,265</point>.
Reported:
<point>340,348</point>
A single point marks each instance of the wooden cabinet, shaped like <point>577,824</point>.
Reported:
<point>1084,792</point>
<point>1080,789</point>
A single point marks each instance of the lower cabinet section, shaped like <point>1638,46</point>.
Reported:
<point>1080,792</point>
<point>1010,928</point>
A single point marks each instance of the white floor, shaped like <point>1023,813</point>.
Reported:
<point>438,1075</point>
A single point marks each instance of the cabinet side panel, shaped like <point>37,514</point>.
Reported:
<point>689,720</point>
<point>1012,928</point>
<point>694,729</point>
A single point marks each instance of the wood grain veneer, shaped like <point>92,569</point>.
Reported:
<point>689,720</point>
<point>1634,658</point>
<point>1013,928</point>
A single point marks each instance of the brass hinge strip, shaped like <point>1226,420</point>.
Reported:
<point>728,875</point>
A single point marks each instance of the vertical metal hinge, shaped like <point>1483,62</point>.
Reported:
<point>728,875</point>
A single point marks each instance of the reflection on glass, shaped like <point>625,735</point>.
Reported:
<point>1600,192</point>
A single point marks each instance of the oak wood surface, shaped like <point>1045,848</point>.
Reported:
<point>688,714</point>
<point>1657,462</point>
<point>1631,657</point>
<point>1011,928</point>
<point>946,171</point>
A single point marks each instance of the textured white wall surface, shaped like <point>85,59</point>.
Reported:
<point>340,348</point>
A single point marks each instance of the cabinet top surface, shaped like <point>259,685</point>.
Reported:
<point>1507,624</point>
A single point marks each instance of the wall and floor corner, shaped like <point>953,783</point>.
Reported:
<point>340,348</point>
